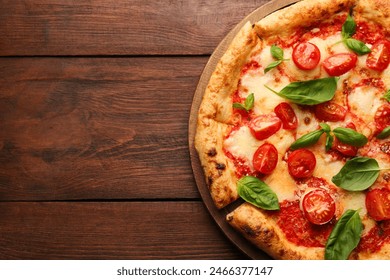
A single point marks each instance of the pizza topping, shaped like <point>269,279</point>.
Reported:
<point>379,58</point>
<point>311,92</point>
<point>330,111</point>
<point>258,193</point>
<point>384,133</point>
<point>378,204</point>
<point>373,240</point>
<point>344,149</point>
<point>301,163</point>
<point>350,136</point>
<point>357,174</point>
<point>339,64</point>
<point>344,237</point>
<point>265,158</point>
<point>307,140</point>
<point>264,126</point>
<point>318,206</point>
<point>347,31</point>
<point>382,117</point>
<point>286,114</point>
<point>278,54</point>
<point>248,103</point>
<point>306,56</point>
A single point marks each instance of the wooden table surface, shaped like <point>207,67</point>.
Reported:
<point>95,98</point>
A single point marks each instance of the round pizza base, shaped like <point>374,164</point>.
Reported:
<point>220,215</point>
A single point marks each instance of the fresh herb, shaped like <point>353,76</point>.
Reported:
<point>384,133</point>
<point>248,103</point>
<point>278,54</point>
<point>357,174</point>
<point>310,92</point>
<point>350,136</point>
<point>258,193</point>
<point>307,140</point>
<point>345,135</point>
<point>344,237</point>
<point>387,95</point>
<point>347,31</point>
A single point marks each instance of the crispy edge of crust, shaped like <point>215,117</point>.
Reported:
<point>301,14</point>
<point>377,11</point>
<point>215,113</point>
<point>260,229</point>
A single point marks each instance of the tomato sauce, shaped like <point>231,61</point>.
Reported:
<point>369,33</point>
<point>298,229</point>
<point>375,239</point>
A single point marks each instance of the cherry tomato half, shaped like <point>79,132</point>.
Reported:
<point>330,111</point>
<point>264,126</point>
<point>379,57</point>
<point>301,163</point>
<point>318,206</point>
<point>378,204</point>
<point>340,63</point>
<point>306,56</point>
<point>382,117</point>
<point>286,114</point>
<point>345,149</point>
<point>265,158</point>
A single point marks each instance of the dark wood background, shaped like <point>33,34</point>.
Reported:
<point>95,98</point>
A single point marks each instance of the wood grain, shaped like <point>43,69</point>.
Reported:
<point>124,230</point>
<point>120,27</point>
<point>96,128</point>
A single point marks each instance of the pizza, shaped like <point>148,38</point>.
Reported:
<point>295,124</point>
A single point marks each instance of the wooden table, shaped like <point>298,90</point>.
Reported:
<point>95,98</point>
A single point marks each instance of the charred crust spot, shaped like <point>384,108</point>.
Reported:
<point>210,181</point>
<point>249,231</point>
<point>220,166</point>
<point>307,120</point>
<point>212,152</point>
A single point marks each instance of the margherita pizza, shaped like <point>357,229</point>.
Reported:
<point>295,121</point>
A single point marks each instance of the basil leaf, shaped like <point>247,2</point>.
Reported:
<point>384,133</point>
<point>387,95</point>
<point>350,136</point>
<point>307,140</point>
<point>272,65</point>
<point>325,127</point>
<point>258,193</point>
<point>248,104</point>
<point>357,174</point>
<point>357,46</point>
<point>310,92</point>
<point>344,237</point>
<point>349,27</point>
<point>329,141</point>
<point>277,52</point>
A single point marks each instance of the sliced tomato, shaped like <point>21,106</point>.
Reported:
<point>318,206</point>
<point>330,111</point>
<point>306,56</point>
<point>265,158</point>
<point>264,126</point>
<point>382,117</point>
<point>301,163</point>
<point>286,114</point>
<point>340,63</point>
<point>378,204</point>
<point>379,57</point>
<point>345,149</point>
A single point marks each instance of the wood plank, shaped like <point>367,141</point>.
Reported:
<point>121,230</point>
<point>96,128</point>
<point>120,27</point>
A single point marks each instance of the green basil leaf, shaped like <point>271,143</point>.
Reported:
<point>310,92</point>
<point>248,103</point>
<point>258,193</point>
<point>307,140</point>
<point>325,127</point>
<point>344,237</point>
<point>384,133</point>
<point>357,174</point>
<point>357,46</point>
<point>350,136</point>
<point>277,52</point>
<point>387,95</point>
<point>329,141</point>
<point>349,27</point>
<point>272,65</point>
